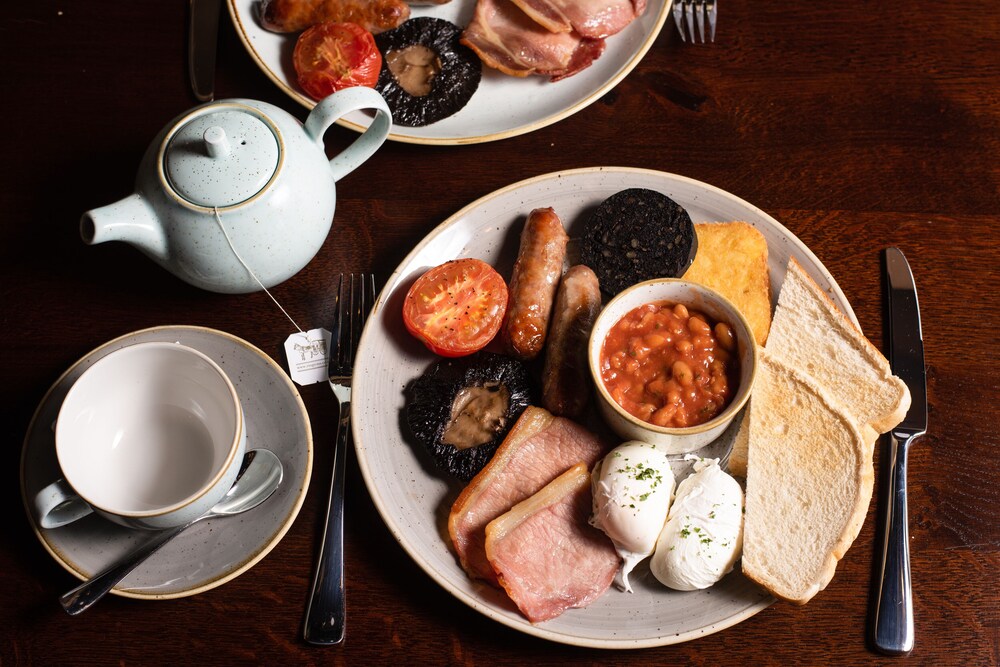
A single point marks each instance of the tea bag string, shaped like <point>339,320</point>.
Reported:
<point>253,275</point>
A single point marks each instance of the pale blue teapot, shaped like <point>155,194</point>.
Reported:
<point>255,168</point>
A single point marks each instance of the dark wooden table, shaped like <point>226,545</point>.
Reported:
<point>857,125</point>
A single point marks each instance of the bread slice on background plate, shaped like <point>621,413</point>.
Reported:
<point>809,483</point>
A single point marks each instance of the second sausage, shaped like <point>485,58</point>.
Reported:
<point>566,378</point>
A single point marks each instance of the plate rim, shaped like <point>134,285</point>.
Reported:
<point>246,565</point>
<point>400,137</point>
<point>382,505</point>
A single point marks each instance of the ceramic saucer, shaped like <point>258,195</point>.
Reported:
<point>211,552</point>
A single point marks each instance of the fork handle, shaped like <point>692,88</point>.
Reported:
<point>325,615</point>
<point>892,625</point>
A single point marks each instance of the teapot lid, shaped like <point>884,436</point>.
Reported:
<point>222,156</point>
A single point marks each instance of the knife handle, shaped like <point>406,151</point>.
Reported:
<point>892,626</point>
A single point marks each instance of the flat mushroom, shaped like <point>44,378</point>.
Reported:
<point>426,73</point>
<point>461,409</point>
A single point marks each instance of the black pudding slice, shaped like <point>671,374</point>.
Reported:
<point>428,83</point>
<point>636,235</point>
<point>461,409</point>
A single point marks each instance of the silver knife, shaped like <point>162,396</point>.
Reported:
<point>892,620</point>
<point>203,34</point>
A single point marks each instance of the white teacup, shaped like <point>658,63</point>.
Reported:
<point>151,436</point>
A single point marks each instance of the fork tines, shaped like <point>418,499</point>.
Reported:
<point>688,12</point>
<point>353,299</point>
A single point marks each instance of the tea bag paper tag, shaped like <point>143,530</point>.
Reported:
<point>307,355</point>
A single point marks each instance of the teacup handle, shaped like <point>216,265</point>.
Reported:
<point>58,504</point>
<point>332,108</point>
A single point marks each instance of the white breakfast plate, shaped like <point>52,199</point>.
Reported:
<point>503,106</point>
<point>414,498</point>
<point>213,551</point>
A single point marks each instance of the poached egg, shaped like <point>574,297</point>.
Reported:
<point>632,488</point>
<point>703,536</point>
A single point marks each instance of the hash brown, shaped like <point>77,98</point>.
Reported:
<point>732,260</point>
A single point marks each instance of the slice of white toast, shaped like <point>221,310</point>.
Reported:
<point>823,395</point>
<point>737,462</point>
<point>809,333</point>
<point>809,483</point>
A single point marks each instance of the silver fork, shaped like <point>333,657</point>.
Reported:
<point>325,614</point>
<point>687,12</point>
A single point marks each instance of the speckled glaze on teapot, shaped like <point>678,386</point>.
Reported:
<point>265,173</point>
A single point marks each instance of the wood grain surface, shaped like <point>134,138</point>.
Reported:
<point>858,125</point>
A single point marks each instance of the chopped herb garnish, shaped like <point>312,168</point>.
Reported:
<point>645,473</point>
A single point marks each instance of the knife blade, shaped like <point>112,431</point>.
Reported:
<point>892,619</point>
<point>906,346</point>
<point>203,34</point>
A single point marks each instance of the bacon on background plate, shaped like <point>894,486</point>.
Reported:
<point>506,38</point>
<point>595,19</point>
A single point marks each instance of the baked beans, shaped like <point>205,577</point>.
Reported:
<point>669,365</point>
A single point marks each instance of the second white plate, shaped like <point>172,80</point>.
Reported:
<point>503,106</point>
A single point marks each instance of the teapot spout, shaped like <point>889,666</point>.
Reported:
<point>130,220</point>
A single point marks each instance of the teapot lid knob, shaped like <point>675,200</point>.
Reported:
<point>216,142</point>
<point>222,155</point>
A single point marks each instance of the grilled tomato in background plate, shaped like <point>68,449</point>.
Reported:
<point>331,56</point>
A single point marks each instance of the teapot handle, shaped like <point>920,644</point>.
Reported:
<point>332,108</point>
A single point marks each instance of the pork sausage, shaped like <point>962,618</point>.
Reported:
<point>296,15</point>
<point>565,379</point>
<point>533,284</point>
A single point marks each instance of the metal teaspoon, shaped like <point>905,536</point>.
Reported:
<point>260,477</point>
